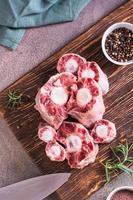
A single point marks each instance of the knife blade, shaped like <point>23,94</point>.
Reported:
<point>34,188</point>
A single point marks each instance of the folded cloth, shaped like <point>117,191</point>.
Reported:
<point>16,16</point>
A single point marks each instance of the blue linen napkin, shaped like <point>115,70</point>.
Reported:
<point>17,15</point>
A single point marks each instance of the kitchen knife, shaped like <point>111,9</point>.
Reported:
<point>34,188</point>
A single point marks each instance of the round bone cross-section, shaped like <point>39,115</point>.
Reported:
<point>70,63</point>
<point>46,133</point>
<point>104,131</point>
<point>55,151</point>
<point>59,96</point>
<point>83,96</point>
<point>73,143</point>
<point>88,73</point>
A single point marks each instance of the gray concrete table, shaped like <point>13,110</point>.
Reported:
<point>38,44</point>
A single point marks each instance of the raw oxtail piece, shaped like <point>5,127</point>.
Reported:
<point>55,151</point>
<point>92,70</point>
<point>72,134</point>
<point>70,63</point>
<point>83,158</point>
<point>86,102</point>
<point>79,145</point>
<point>104,131</point>
<point>52,98</point>
<point>46,133</point>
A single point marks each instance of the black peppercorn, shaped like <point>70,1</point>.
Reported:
<point>119,45</point>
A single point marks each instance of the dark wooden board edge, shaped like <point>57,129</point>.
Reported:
<point>87,40</point>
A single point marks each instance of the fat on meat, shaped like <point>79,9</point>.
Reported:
<point>55,151</point>
<point>46,133</point>
<point>76,91</point>
<point>79,145</point>
<point>86,102</point>
<point>70,62</point>
<point>103,131</point>
<point>92,70</point>
<point>72,134</point>
<point>52,98</point>
<point>81,159</point>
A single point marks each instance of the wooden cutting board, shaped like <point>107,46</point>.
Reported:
<point>119,103</point>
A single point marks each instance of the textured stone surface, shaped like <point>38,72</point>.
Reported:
<point>37,45</point>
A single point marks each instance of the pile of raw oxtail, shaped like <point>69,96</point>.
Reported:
<point>76,91</point>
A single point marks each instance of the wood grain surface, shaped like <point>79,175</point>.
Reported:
<point>119,107</point>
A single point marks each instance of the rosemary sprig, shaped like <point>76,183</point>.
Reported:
<point>121,157</point>
<point>14,99</point>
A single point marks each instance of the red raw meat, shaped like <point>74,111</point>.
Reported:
<point>46,133</point>
<point>70,63</point>
<point>55,151</point>
<point>83,158</point>
<point>104,131</point>
<point>80,96</point>
<point>52,98</point>
<point>86,102</point>
<point>71,133</point>
<point>92,70</point>
<point>80,149</point>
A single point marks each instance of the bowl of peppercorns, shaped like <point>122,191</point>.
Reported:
<point>117,43</point>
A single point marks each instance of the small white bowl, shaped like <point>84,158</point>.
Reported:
<point>130,188</point>
<point>107,32</point>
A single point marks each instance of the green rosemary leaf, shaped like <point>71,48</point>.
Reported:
<point>107,173</point>
<point>14,99</point>
<point>115,154</point>
<point>126,169</point>
<point>116,164</point>
<point>123,149</point>
<point>130,159</point>
<point>120,148</point>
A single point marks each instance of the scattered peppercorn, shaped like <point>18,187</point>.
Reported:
<point>119,45</point>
